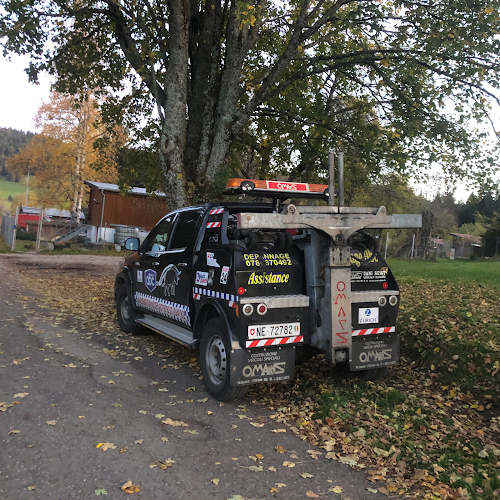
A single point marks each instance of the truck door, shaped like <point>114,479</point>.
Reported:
<point>174,279</point>
<point>147,271</point>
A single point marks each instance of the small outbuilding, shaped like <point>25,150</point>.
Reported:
<point>110,211</point>
<point>465,245</point>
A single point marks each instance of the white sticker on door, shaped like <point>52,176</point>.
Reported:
<point>224,274</point>
<point>201,278</point>
<point>211,260</point>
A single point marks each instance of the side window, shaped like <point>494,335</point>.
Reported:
<point>157,240</point>
<point>185,230</point>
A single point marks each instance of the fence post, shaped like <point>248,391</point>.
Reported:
<point>412,246</point>
<point>39,231</point>
<point>14,231</point>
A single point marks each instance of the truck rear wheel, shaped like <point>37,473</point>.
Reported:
<point>124,311</point>
<point>215,361</point>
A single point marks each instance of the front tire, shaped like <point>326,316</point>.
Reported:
<point>215,361</point>
<point>125,312</point>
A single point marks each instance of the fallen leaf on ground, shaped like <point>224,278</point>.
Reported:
<point>123,450</point>
<point>191,431</point>
<point>255,468</point>
<point>215,481</point>
<point>139,441</point>
<point>14,432</point>
<point>286,463</point>
<point>278,430</point>
<point>174,423</point>
<point>311,494</point>
<point>255,424</point>
<point>306,475</point>
<point>21,394</point>
<point>336,489</point>
<point>165,439</point>
<point>272,469</point>
<point>259,456</point>
<point>19,361</point>
<point>31,488</point>
<point>128,487</point>
<point>280,449</point>
<point>106,446</point>
<point>100,491</point>
<point>159,415</point>
<point>51,422</point>
<point>4,405</point>
<point>162,464</point>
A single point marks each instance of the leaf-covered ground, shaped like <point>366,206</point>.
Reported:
<point>430,429</point>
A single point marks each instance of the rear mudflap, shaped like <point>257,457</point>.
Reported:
<point>262,365</point>
<point>375,351</point>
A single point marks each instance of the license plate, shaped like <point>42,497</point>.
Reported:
<point>271,331</point>
<point>368,315</point>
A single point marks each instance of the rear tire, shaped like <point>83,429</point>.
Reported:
<point>215,361</point>
<point>125,312</point>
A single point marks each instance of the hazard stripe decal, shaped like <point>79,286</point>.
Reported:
<point>210,225</point>
<point>279,341</point>
<point>215,211</point>
<point>197,292</point>
<point>373,331</point>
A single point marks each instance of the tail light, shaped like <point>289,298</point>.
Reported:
<point>247,309</point>
<point>262,309</point>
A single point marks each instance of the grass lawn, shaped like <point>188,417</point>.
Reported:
<point>484,272</point>
<point>10,189</point>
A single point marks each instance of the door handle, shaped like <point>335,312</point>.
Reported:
<point>155,263</point>
<point>182,264</point>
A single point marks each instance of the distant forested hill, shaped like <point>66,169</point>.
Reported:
<point>11,142</point>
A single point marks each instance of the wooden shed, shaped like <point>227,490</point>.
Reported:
<point>109,208</point>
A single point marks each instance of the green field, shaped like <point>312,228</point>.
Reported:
<point>10,189</point>
<point>482,272</point>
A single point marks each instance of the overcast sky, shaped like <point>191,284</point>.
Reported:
<point>19,101</point>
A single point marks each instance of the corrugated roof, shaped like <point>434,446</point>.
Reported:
<point>475,239</point>
<point>49,212</point>
<point>104,186</point>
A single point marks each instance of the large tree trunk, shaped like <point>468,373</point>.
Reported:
<point>173,133</point>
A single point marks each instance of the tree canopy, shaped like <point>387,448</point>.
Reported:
<point>391,83</point>
<point>62,156</point>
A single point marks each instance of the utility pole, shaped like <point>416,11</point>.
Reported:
<point>27,186</point>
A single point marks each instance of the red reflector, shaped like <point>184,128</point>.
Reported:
<point>262,309</point>
<point>241,290</point>
<point>386,286</point>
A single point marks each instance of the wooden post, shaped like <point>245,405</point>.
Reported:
<point>39,231</point>
<point>14,231</point>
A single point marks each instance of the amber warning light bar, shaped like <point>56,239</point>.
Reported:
<point>276,189</point>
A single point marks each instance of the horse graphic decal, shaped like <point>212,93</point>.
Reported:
<point>169,279</point>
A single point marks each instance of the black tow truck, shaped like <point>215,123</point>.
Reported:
<point>260,286</point>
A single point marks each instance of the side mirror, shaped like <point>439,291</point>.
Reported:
<point>132,244</point>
